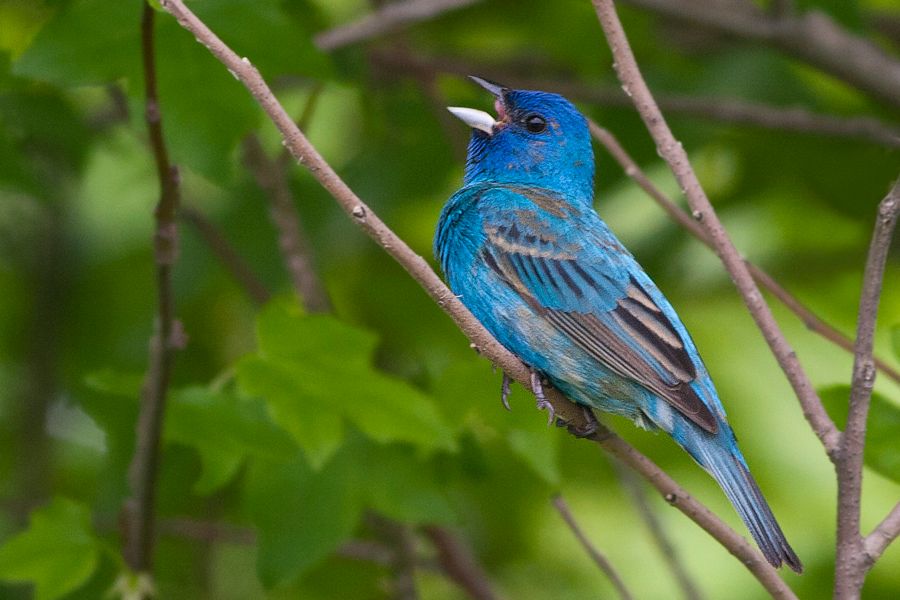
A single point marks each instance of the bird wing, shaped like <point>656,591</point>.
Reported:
<point>588,287</point>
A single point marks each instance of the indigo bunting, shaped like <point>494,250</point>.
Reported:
<point>523,248</point>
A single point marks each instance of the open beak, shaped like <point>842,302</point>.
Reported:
<point>478,119</point>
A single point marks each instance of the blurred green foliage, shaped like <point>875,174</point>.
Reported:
<point>296,427</point>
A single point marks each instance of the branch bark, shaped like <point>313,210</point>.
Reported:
<point>809,318</point>
<point>459,564</point>
<point>562,507</point>
<point>852,562</point>
<point>812,37</point>
<point>271,176</point>
<point>140,508</point>
<point>882,536</point>
<point>421,272</point>
<point>226,253</point>
<point>636,489</point>
<point>674,154</point>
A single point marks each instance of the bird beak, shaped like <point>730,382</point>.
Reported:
<point>474,118</point>
<point>478,119</point>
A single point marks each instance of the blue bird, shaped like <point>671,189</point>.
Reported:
<point>523,248</point>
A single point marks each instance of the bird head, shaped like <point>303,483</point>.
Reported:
<point>537,139</point>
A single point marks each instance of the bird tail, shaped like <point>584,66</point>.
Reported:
<point>732,474</point>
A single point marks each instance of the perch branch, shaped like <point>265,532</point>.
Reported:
<point>674,154</point>
<point>139,509</point>
<point>851,561</point>
<point>809,318</point>
<point>562,507</point>
<point>389,18</point>
<point>419,269</point>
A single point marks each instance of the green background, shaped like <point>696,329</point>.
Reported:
<point>293,428</point>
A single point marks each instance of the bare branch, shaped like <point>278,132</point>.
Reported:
<point>206,531</point>
<point>139,509</point>
<point>458,562</point>
<point>812,37</point>
<point>881,537</point>
<point>809,318</point>
<point>419,269</point>
<point>389,18</point>
<point>636,488</point>
<point>599,559</point>
<point>271,176</point>
<point>226,253</point>
<point>851,561</point>
<point>707,108</point>
<point>674,154</point>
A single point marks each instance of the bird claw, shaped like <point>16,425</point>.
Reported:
<point>542,403</point>
<point>504,391</point>
<point>589,428</point>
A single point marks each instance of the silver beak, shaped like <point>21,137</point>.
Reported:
<point>474,118</point>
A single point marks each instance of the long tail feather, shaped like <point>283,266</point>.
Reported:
<point>741,489</point>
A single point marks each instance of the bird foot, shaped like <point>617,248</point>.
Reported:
<point>588,429</point>
<point>541,400</point>
<point>504,391</point>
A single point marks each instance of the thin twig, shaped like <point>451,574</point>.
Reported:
<point>813,37</point>
<point>812,321</point>
<point>390,17</point>
<point>674,154</point>
<point>419,269</point>
<point>458,562</point>
<point>599,559</point>
<point>271,176</point>
<point>400,537</point>
<point>851,562</point>
<point>226,253</point>
<point>706,108</point>
<point>139,509</point>
<point>636,488</point>
<point>207,531</point>
<point>881,537</point>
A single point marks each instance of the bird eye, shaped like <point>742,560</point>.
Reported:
<point>535,123</point>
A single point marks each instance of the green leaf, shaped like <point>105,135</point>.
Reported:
<point>68,50</point>
<point>315,371</point>
<point>57,553</point>
<point>225,430</point>
<point>302,515</point>
<point>882,453</point>
<point>470,393</point>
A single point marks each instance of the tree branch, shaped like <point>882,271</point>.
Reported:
<point>706,108</point>
<point>599,559</point>
<point>809,318</point>
<point>227,255</point>
<point>673,153</point>
<point>812,37</point>
<point>881,537</point>
<point>139,509</point>
<point>389,18</point>
<point>271,176</point>
<point>419,269</point>
<point>636,489</point>
<point>458,562</point>
<point>851,561</point>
